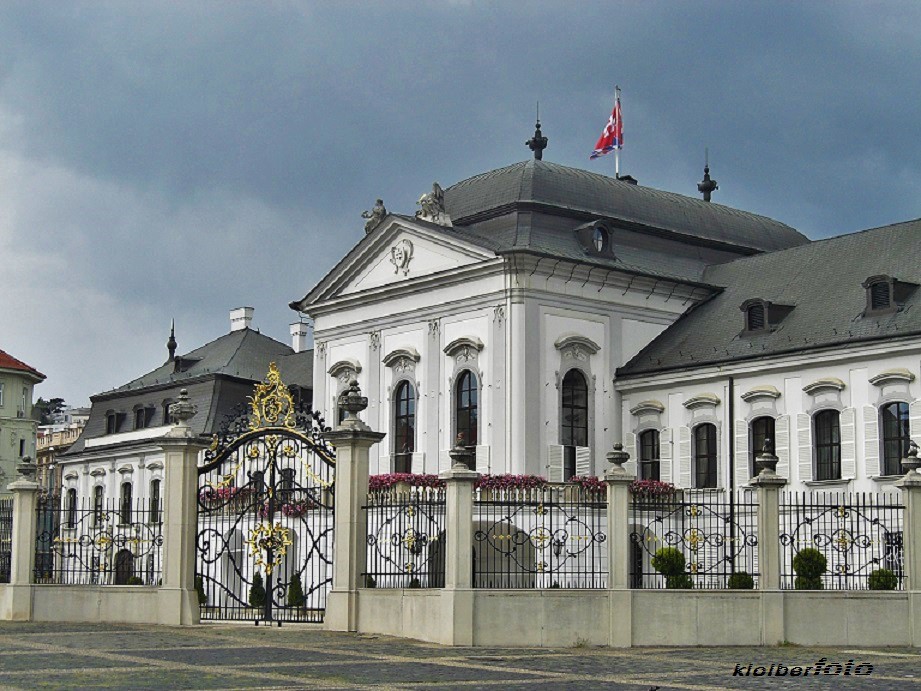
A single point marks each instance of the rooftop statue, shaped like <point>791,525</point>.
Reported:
<point>432,206</point>
<point>374,216</point>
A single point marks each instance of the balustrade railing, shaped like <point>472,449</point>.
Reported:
<point>406,537</point>
<point>712,540</point>
<point>6,539</point>
<point>856,533</point>
<point>89,542</point>
<point>540,537</point>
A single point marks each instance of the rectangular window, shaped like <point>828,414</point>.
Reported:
<point>827,428</point>
<point>1,393</point>
<point>705,455</point>
<point>124,514</point>
<point>22,448</point>
<point>894,417</point>
<point>649,455</point>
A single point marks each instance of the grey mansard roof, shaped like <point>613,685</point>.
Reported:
<point>219,375</point>
<point>550,187</point>
<point>821,281</point>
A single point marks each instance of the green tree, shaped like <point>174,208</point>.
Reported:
<point>257,591</point>
<point>46,410</point>
<point>296,592</point>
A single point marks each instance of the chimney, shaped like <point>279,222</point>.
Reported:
<point>240,318</point>
<point>299,337</point>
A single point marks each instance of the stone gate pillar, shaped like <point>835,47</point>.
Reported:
<point>458,590</point>
<point>910,485</point>
<point>620,597</point>
<point>768,484</point>
<point>178,598</point>
<point>353,440</point>
<point>25,501</point>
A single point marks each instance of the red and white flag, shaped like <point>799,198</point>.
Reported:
<point>612,136</point>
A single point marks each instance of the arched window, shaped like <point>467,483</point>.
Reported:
<point>153,509</point>
<point>99,494</point>
<point>124,509</point>
<point>465,408</point>
<point>827,436</point>
<point>72,508</point>
<point>575,409</point>
<point>649,455</point>
<point>705,455</point>
<point>404,427</point>
<point>894,418</point>
<point>762,432</point>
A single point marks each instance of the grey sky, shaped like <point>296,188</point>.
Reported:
<point>178,159</point>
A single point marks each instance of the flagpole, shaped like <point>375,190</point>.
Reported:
<point>617,149</point>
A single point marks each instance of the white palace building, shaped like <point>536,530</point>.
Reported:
<point>541,314</point>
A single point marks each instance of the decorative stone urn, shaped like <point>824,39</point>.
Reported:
<point>911,462</point>
<point>617,457</point>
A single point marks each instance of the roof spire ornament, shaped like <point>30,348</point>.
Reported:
<point>707,186</point>
<point>538,142</point>
<point>171,343</point>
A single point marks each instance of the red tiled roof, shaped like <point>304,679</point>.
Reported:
<point>7,361</point>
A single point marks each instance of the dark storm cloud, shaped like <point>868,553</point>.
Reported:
<point>179,159</point>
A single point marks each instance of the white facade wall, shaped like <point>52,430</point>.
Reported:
<point>858,401</point>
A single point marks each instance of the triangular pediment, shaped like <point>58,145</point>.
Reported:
<point>400,252</point>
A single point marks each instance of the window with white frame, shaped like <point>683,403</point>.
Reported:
<point>404,427</point>
<point>896,436</point>
<point>649,465</point>
<point>826,428</point>
<point>705,456</point>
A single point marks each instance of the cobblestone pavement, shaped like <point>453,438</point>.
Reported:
<point>80,656</point>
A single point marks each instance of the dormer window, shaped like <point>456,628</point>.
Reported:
<point>885,294</point>
<point>762,316</point>
<point>754,318</point>
<point>595,239</point>
<point>600,239</point>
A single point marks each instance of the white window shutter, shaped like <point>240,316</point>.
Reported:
<point>743,466</point>
<point>418,462</point>
<point>555,463</point>
<point>631,464</point>
<point>665,455</point>
<point>848,443</point>
<point>583,460</point>
<point>684,456</point>
<point>871,440</point>
<point>482,458</point>
<point>914,421</point>
<point>782,445</point>
<point>804,446</point>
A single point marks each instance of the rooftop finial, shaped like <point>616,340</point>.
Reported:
<point>171,343</point>
<point>707,186</point>
<point>538,142</point>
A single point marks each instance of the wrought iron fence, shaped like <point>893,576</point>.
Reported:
<point>542,537</point>
<point>406,538</point>
<point>715,535</point>
<point>857,533</point>
<point>88,541</point>
<point>6,539</point>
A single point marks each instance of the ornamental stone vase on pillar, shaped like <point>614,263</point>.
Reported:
<point>620,631</point>
<point>352,440</point>
<point>181,446</point>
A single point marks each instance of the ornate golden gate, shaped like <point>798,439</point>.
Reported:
<point>265,513</point>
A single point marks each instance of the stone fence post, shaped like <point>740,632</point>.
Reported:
<point>25,503</point>
<point>910,485</point>
<point>353,440</point>
<point>620,630</point>
<point>458,592</point>
<point>178,598</point>
<point>768,485</point>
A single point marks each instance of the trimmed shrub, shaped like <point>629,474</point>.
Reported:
<point>200,589</point>
<point>135,580</point>
<point>882,579</point>
<point>257,591</point>
<point>670,562</point>
<point>809,564</point>
<point>414,583</point>
<point>741,580</point>
<point>370,582</point>
<point>296,592</point>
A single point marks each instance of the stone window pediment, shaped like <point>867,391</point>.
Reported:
<point>899,375</point>
<point>464,348</point>
<point>346,364</point>
<point>703,400</point>
<point>647,408</point>
<point>824,385</point>
<point>576,347</point>
<point>401,358</point>
<point>758,394</point>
